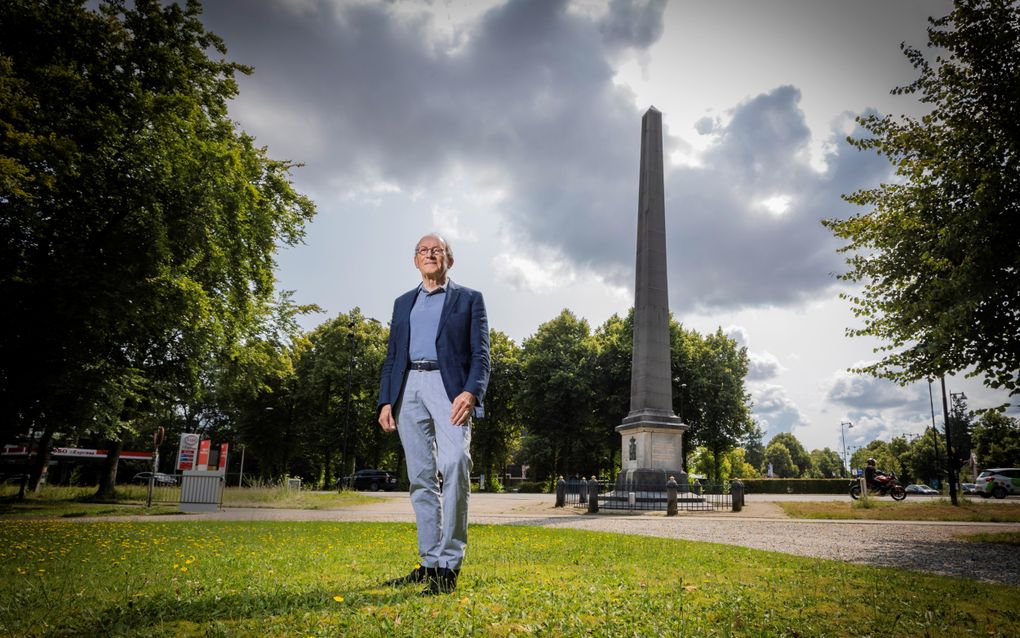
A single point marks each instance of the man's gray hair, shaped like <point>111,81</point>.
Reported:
<point>446,245</point>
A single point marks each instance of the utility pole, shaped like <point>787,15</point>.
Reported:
<point>949,446</point>
<point>934,434</point>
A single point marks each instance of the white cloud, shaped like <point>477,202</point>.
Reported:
<point>763,365</point>
<point>775,411</point>
<point>521,272</point>
<point>447,221</point>
<point>737,333</point>
<point>863,392</point>
<point>776,204</point>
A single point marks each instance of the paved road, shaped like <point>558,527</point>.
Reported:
<point>921,546</point>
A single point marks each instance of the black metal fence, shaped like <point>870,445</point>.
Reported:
<point>164,493</point>
<point>693,497</point>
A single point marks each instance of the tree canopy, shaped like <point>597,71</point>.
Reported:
<point>937,252</point>
<point>138,226</point>
<point>997,440</point>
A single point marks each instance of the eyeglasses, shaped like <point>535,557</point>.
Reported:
<point>435,252</point>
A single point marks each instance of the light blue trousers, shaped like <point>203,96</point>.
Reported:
<point>432,444</point>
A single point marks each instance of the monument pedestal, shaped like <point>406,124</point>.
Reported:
<point>652,451</point>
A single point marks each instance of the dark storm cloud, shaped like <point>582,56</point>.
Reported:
<point>523,99</point>
<point>631,23</point>
<point>727,248</point>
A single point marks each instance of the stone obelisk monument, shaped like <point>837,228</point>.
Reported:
<point>652,433</point>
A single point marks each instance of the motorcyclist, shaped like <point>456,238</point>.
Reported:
<point>871,473</point>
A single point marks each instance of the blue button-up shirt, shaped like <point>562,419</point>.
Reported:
<point>425,314</point>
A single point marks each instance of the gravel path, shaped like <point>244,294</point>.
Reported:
<point>920,546</point>
<point>924,547</point>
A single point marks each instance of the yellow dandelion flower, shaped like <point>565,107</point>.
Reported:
<point>184,569</point>
<point>338,599</point>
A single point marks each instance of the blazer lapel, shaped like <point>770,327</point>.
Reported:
<point>452,291</point>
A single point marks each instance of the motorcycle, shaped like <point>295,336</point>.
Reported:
<point>884,485</point>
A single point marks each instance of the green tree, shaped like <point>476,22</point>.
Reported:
<point>739,465</point>
<point>496,436</point>
<point>960,426</point>
<point>899,448</point>
<point>778,456</point>
<point>716,405</point>
<point>937,252</point>
<point>754,449</point>
<point>336,395</point>
<point>704,463</point>
<point>925,459</point>
<point>997,440</point>
<point>556,398</point>
<point>885,459</point>
<point>731,465</point>
<point>801,459</point>
<point>613,344</point>
<point>826,463</point>
<point>138,226</point>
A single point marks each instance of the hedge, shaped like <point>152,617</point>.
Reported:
<point>796,486</point>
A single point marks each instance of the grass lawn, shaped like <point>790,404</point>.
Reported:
<point>69,502</point>
<point>939,509</point>
<point>163,578</point>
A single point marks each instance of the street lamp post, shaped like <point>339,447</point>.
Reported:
<point>350,390</point>
<point>843,425</point>
<point>683,386</point>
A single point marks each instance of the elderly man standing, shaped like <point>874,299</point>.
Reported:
<point>433,381</point>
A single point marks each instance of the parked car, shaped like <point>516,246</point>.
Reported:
<point>917,488</point>
<point>372,480</point>
<point>998,482</point>
<point>161,479</point>
<point>968,488</point>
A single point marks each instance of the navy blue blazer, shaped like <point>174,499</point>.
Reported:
<point>462,345</point>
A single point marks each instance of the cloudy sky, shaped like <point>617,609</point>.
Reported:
<point>513,127</point>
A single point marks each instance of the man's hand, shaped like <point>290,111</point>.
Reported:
<point>461,408</point>
<point>386,419</point>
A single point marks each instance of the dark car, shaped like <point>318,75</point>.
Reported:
<point>372,480</point>
<point>160,478</point>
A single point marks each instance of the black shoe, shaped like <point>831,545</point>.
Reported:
<point>419,574</point>
<point>443,582</point>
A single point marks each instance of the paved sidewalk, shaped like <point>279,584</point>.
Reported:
<point>924,546</point>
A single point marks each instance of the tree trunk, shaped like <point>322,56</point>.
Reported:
<point>108,477</point>
<point>41,458</point>
<point>42,463</point>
